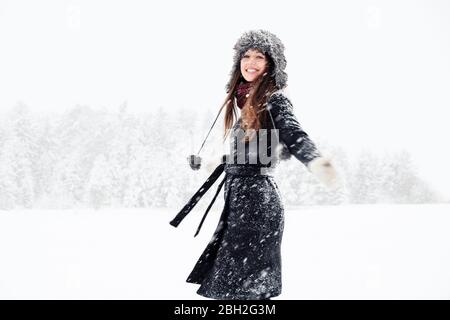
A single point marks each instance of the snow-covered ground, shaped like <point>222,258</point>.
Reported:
<point>329,252</point>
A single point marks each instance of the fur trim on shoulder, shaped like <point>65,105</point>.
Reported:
<point>280,93</point>
<point>284,92</point>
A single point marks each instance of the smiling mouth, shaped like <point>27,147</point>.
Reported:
<point>251,70</point>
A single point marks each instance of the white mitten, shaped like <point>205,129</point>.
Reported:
<point>324,170</point>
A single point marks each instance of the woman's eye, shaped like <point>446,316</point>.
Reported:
<point>258,57</point>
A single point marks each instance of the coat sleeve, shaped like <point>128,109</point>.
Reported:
<point>290,132</point>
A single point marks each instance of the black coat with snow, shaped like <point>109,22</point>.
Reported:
<point>243,259</point>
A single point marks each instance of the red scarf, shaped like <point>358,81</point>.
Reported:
<point>242,91</point>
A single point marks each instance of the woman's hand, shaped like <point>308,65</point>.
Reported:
<point>324,170</point>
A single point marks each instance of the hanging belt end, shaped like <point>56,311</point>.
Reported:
<point>174,223</point>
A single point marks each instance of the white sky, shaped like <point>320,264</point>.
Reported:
<point>373,74</point>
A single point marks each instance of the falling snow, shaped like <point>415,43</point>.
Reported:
<point>252,221</point>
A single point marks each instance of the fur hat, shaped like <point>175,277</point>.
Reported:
<point>266,42</point>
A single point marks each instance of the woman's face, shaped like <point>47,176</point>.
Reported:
<point>253,64</point>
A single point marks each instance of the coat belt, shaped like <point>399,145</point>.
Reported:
<point>238,170</point>
<point>248,170</point>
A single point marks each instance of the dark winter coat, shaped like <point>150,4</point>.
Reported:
<point>243,258</point>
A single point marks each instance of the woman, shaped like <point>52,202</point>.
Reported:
<point>243,259</point>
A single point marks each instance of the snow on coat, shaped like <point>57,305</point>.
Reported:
<point>242,261</point>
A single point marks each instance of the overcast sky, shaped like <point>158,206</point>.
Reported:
<point>362,74</point>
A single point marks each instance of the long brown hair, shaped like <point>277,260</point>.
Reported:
<point>253,113</point>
